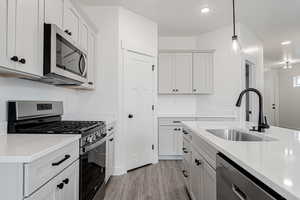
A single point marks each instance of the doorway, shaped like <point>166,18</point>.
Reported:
<point>139,81</point>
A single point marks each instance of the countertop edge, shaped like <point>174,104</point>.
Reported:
<point>31,158</point>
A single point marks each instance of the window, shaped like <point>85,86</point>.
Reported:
<point>296,81</point>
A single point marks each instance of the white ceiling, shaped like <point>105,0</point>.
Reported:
<point>273,21</point>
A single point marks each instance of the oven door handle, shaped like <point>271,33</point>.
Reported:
<point>84,150</point>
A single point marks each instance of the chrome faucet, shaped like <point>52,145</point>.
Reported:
<point>262,125</point>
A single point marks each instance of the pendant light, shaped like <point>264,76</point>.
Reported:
<point>235,39</point>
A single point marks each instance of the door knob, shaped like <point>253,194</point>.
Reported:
<point>130,116</point>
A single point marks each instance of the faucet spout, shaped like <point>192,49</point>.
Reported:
<point>261,124</point>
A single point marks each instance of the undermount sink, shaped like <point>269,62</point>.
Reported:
<point>236,135</point>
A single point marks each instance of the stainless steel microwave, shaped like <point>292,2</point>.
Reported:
<point>65,63</point>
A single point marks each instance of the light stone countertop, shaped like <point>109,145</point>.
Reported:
<point>276,163</point>
<point>25,148</point>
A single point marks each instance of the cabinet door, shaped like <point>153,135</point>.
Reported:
<point>29,36</point>
<point>7,33</point>
<point>83,35</point>
<point>64,186</point>
<point>166,81</point>
<point>166,141</point>
<point>209,183</point>
<point>54,12</point>
<point>70,178</point>
<point>183,73</point>
<point>197,176</point>
<point>179,141</point>
<point>71,21</point>
<point>203,73</point>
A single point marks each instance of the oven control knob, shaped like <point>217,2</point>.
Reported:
<point>89,139</point>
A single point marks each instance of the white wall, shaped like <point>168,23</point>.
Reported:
<point>177,104</point>
<point>118,28</point>
<point>227,73</point>
<point>289,98</point>
<point>17,89</point>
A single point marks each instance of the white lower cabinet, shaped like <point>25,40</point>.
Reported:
<point>110,157</point>
<point>54,176</point>
<point>197,172</point>
<point>170,141</point>
<point>209,183</point>
<point>199,175</point>
<point>64,186</point>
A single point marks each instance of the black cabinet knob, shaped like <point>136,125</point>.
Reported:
<point>60,186</point>
<point>130,116</point>
<point>22,60</point>
<point>66,181</point>
<point>90,83</point>
<point>198,162</point>
<point>14,58</point>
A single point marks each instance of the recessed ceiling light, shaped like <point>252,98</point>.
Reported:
<point>286,43</point>
<point>205,10</point>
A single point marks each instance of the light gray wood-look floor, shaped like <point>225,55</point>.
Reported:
<point>163,181</point>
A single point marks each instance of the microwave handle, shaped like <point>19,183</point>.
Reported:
<point>85,69</point>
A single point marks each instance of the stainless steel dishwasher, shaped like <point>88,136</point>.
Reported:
<point>234,183</point>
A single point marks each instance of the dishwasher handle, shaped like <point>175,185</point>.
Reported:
<point>238,192</point>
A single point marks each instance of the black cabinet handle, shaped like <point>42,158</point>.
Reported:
<point>60,186</point>
<point>184,174</point>
<point>62,160</point>
<point>14,58</point>
<point>176,122</point>
<point>130,116</point>
<point>90,83</point>
<point>112,139</point>
<point>22,60</point>
<point>184,132</point>
<point>66,181</point>
<point>70,33</point>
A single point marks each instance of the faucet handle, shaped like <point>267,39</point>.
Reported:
<point>266,123</point>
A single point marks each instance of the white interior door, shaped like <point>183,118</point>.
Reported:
<point>271,95</point>
<point>138,101</point>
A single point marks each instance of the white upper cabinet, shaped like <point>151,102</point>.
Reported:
<point>21,35</point>
<point>54,12</point>
<point>7,33</point>
<point>71,21</point>
<point>83,36</point>
<point>203,73</point>
<point>28,35</point>
<point>165,73</point>
<point>183,73</point>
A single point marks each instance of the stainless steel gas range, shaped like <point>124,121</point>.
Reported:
<point>45,117</point>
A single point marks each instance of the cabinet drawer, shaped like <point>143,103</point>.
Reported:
<point>174,121</point>
<point>206,150</point>
<point>42,170</point>
<point>64,186</point>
